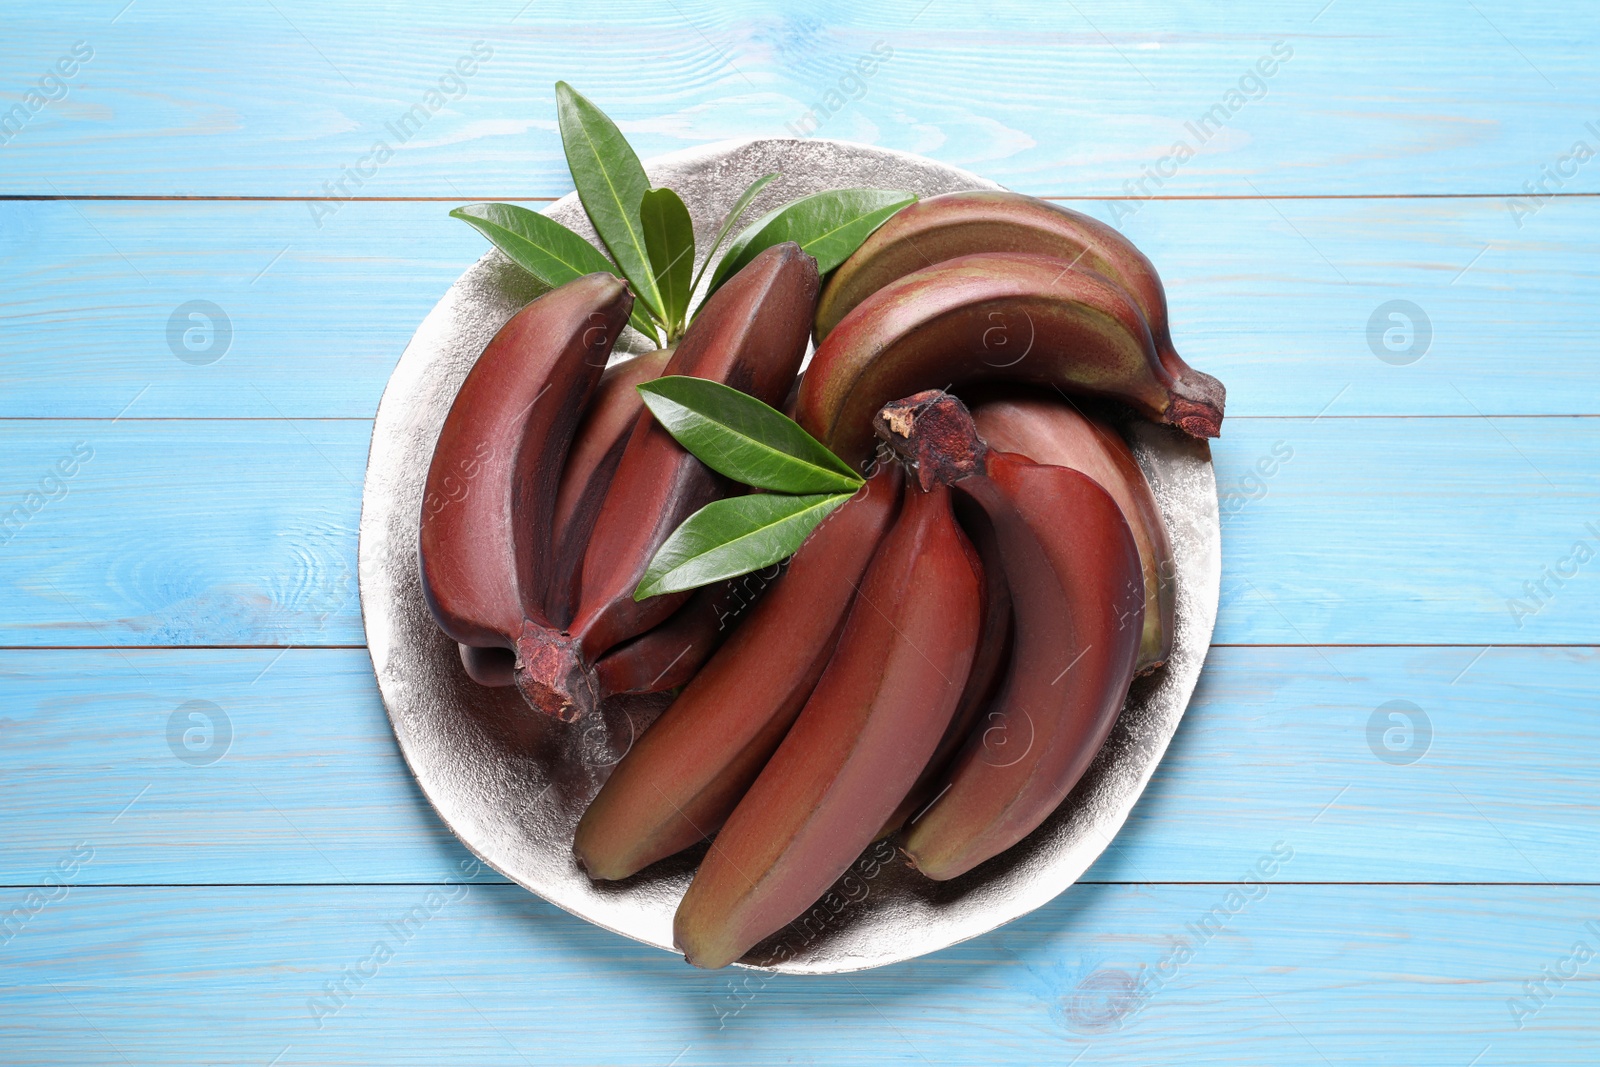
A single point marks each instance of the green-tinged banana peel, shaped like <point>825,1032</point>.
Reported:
<point>991,317</point>
<point>956,224</point>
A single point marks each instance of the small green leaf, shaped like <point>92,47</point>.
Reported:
<point>732,220</point>
<point>829,225</point>
<point>735,434</point>
<point>543,247</point>
<point>669,238</point>
<point>727,538</point>
<point>610,182</point>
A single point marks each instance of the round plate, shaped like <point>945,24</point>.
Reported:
<point>511,784</point>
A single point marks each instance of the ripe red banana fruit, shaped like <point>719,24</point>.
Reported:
<point>963,223</point>
<point>592,461</point>
<point>489,496</point>
<point>988,666</point>
<point>991,317</point>
<point>668,655</point>
<point>751,335</point>
<point>866,732</point>
<point>1048,430</point>
<point>493,667</point>
<point>683,777</point>
<point>1078,597</point>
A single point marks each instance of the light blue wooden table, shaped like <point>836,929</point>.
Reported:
<point>205,825</point>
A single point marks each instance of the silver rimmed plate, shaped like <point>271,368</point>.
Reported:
<point>512,784</point>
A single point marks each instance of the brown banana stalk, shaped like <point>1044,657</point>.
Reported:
<point>489,496</point>
<point>866,732</point>
<point>683,777</point>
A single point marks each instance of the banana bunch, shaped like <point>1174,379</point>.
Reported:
<point>942,657</point>
<point>536,528</point>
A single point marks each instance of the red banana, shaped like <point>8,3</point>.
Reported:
<point>489,496</point>
<point>988,666</point>
<point>1048,430</point>
<point>596,449</point>
<point>667,656</point>
<point>858,745</point>
<point>993,317</point>
<point>591,460</point>
<point>1078,599</point>
<point>682,778</point>
<point>963,223</point>
<point>751,335</point>
<point>493,667</point>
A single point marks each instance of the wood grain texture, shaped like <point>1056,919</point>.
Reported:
<point>1276,298</point>
<point>1073,99</point>
<point>1335,531</point>
<point>230,532</point>
<point>291,773</point>
<point>1416,976</point>
<point>215,503</point>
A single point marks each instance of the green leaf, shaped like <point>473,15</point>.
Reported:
<point>611,183</point>
<point>731,221</point>
<point>829,225</point>
<point>735,434</point>
<point>727,538</point>
<point>543,247</point>
<point>669,238</point>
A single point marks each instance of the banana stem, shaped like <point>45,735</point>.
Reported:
<point>933,436</point>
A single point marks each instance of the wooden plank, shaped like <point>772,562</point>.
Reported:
<point>303,322</point>
<point>251,766</point>
<point>1425,531</point>
<point>1077,99</point>
<point>238,532</point>
<point>1290,309</point>
<point>1275,973</point>
<point>285,757</point>
<point>1335,531</point>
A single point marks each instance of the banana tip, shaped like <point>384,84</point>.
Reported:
<point>599,863</point>
<point>594,870</point>
<point>704,962</point>
<point>931,871</point>
<point>930,864</point>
